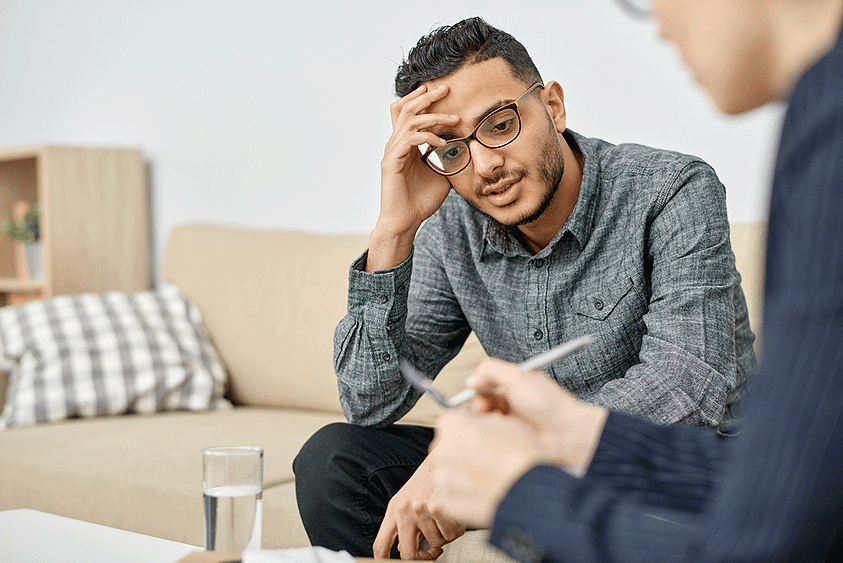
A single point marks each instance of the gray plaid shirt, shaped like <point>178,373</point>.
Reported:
<point>643,263</point>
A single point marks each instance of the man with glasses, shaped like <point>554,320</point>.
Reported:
<point>549,236</point>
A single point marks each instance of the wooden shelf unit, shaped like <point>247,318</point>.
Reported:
<point>94,205</point>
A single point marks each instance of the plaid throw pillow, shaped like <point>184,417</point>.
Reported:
<point>100,354</point>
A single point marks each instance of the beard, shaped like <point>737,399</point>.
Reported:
<point>550,170</point>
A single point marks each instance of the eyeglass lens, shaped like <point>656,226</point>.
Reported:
<point>496,130</point>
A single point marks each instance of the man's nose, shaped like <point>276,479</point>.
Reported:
<point>486,161</point>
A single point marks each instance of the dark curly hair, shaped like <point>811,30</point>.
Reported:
<point>448,48</point>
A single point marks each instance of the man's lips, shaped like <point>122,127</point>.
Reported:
<point>500,187</point>
<point>502,194</point>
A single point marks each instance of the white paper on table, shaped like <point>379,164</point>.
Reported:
<point>297,555</point>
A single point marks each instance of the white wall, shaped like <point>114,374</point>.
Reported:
<point>274,114</point>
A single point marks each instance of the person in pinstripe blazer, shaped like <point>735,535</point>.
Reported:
<point>645,492</point>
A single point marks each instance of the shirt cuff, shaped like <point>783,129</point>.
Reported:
<point>381,296</point>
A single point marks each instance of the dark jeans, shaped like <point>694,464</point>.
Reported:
<point>345,476</point>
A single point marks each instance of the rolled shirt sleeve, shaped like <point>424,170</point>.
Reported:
<point>371,338</point>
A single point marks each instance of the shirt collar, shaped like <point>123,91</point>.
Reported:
<point>580,222</point>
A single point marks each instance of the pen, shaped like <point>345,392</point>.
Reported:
<point>541,361</point>
<point>547,359</point>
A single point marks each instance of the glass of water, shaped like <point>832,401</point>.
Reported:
<point>233,487</point>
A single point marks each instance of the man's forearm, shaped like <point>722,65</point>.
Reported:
<point>388,250</point>
<point>367,345</point>
<point>669,385</point>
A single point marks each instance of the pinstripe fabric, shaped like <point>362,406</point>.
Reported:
<point>774,492</point>
<point>643,263</point>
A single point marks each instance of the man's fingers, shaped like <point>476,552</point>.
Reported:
<point>424,121</point>
<point>408,542</point>
<point>385,538</point>
<point>416,102</point>
<point>421,554</point>
<point>396,106</point>
<point>432,535</point>
<point>422,551</point>
<point>422,101</point>
<point>416,132</point>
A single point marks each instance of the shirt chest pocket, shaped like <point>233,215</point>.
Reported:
<point>612,312</point>
<point>599,302</point>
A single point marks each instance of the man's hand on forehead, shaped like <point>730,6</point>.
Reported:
<point>412,116</point>
<point>410,191</point>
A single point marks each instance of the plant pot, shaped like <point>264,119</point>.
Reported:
<point>33,260</point>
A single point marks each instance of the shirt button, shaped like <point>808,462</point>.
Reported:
<point>386,356</point>
<point>538,263</point>
<point>538,335</point>
<point>400,289</point>
<point>382,298</point>
<point>598,304</point>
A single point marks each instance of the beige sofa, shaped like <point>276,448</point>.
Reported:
<point>270,300</point>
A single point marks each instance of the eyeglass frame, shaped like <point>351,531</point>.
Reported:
<point>473,136</point>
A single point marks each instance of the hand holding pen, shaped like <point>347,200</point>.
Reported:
<point>424,384</point>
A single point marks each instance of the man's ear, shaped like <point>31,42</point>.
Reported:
<point>554,99</point>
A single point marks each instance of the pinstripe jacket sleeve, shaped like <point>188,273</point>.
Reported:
<point>775,491</point>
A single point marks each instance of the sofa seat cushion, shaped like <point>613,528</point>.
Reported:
<point>142,473</point>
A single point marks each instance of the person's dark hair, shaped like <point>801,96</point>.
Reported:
<point>448,48</point>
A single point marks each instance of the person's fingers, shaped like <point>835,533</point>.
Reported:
<point>489,402</point>
<point>385,538</point>
<point>408,542</point>
<point>431,533</point>
<point>397,106</point>
<point>415,102</point>
<point>491,373</point>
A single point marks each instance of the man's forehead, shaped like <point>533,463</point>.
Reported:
<point>478,79</point>
<point>477,89</point>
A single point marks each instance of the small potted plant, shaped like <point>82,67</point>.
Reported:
<point>27,230</point>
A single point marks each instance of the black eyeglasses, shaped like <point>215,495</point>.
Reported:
<point>497,129</point>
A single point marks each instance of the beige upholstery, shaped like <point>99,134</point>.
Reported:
<point>272,310</point>
<point>271,300</point>
<point>749,243</point>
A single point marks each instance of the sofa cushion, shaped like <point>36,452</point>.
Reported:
<point>97,354</point>
<point>271,309</point>
<point>143,473</point>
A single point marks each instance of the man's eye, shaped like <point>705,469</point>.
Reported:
<point>450,154</point>
<point>503,126</point>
